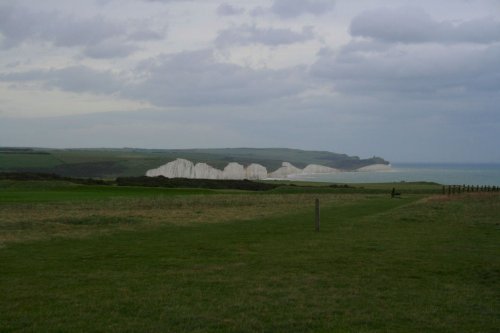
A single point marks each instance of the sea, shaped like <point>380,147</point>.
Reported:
<point>445,174</point>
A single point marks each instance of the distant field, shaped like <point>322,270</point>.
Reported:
<point>13,161</point>
<point>115,259</point>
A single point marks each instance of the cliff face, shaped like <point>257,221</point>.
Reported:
<point>286,170</point>
<point>315,168</point>
<point>256,171</point>
<point>181,168</point>
<point>234,171</point>
<point>205,171</point>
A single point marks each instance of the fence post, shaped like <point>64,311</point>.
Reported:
<point>449,189</point>
<point>316,222</point>
<point>444,190</point>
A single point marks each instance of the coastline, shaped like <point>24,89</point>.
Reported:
<point>445,174</point>
<point>375,168</point>
<point>368,168</point>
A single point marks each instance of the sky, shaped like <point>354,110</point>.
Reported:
<point>405,80</point>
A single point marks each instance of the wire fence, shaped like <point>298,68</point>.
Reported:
<point>458,189</point>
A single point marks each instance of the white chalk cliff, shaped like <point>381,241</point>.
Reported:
<point>315,168</point>
<point>181,168</point>
<point>286,170</point>
<point>256,171</point>
<point>234,171</point>
<point>205,171</point>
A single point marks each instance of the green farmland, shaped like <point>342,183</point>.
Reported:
<point>135,259</point>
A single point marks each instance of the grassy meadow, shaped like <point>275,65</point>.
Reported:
<point>128,259</point>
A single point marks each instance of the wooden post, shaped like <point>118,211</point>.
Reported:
<point>444,190</point>
<point>468,188</point>
<point>459,189</point>
<point>316,222</point>
<point>449,189</point>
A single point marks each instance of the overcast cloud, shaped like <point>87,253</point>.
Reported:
<point>343,76</point>
<point>294,8</point>
<point>415,25</point>
<point>226,9</point>
<point>246,34</point>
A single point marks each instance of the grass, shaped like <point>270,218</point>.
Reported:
<point>13,161</point>
<point>251,262</point>
<point>59,191</point>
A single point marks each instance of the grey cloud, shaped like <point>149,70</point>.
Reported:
<point>84,79</point>
<point>183,79</point>
<point>294,8</point>
<point>226,9</point>
<point>109,49</point>
<point>75,79</point>
<point>95,34</point>
<point>362,47</point>
<point>197,79</point>
<point>144,34</point>
<point>414,25</point>
<point>18,24</point>
<point>142,128</point>
<point>246,34</point>
<point>433,71</point>
<point>259,11</point>
<point>167,1</point>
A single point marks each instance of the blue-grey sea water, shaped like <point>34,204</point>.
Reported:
<point>446,174</point>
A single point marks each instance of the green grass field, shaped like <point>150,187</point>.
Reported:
<point>14,161</point>
<point>97,258</point>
